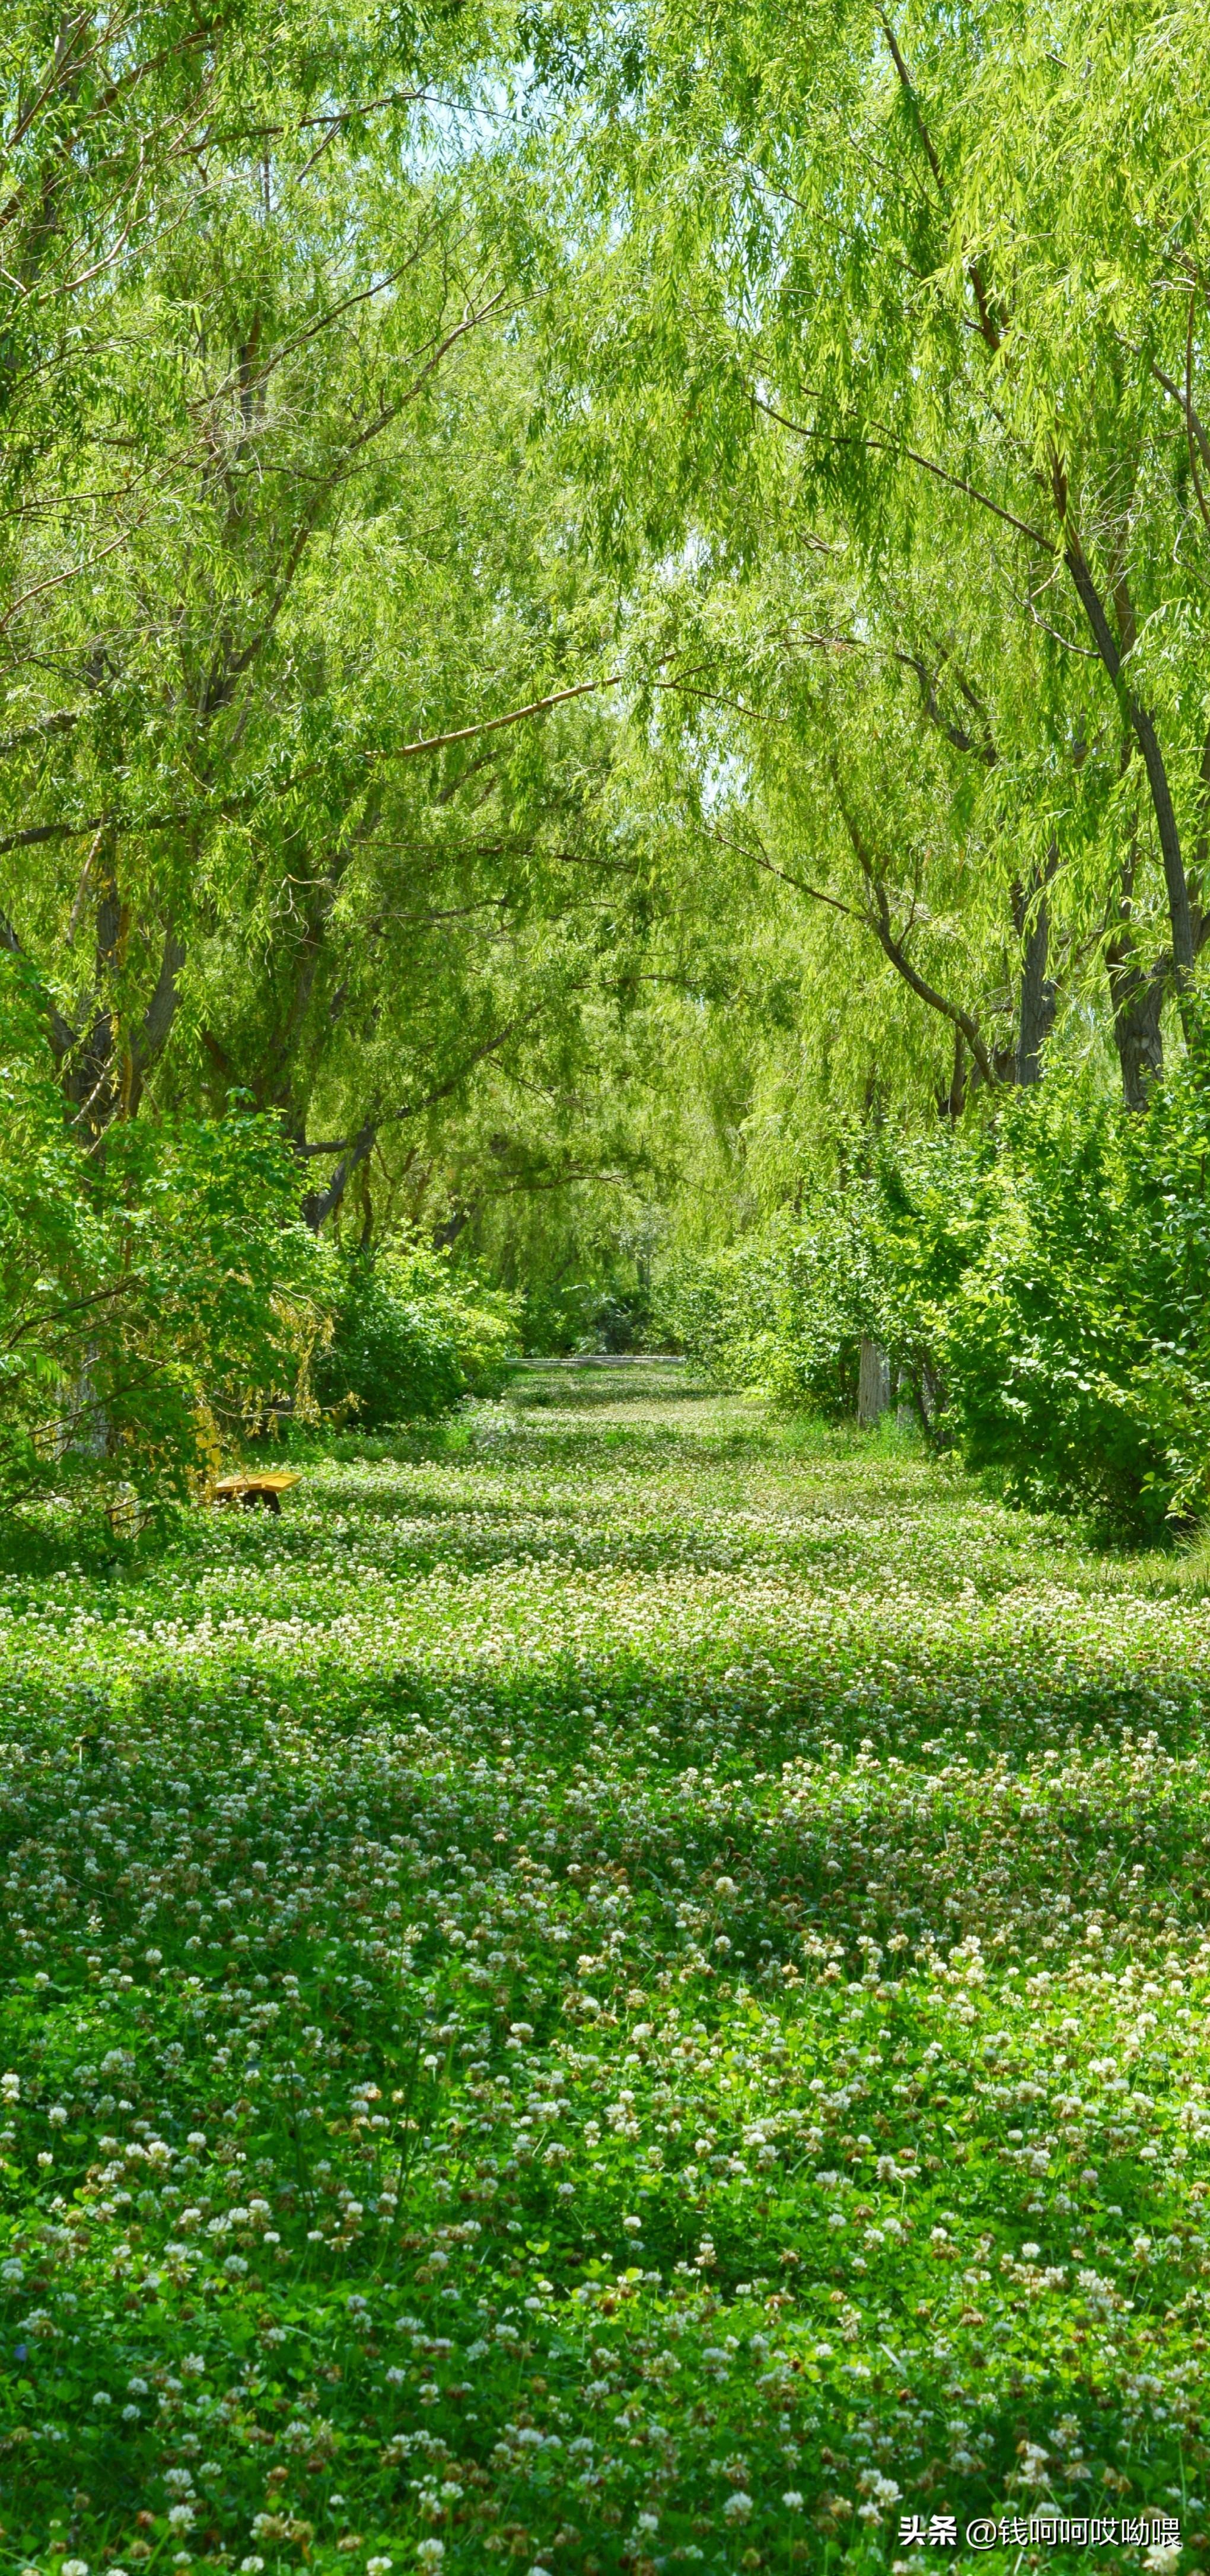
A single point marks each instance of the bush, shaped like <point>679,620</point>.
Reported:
<point>1043,1294</point>
<point>155,1284</point>
<point>609,1314</point>
<point>410,1337</point>
<point>1076,1336</point>
<point>781,1312</point>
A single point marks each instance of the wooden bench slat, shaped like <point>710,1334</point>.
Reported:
<point>248,1487</point>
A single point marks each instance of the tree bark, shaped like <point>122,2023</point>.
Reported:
<point>1138,1001</point>
<point>319,1205</point>
<point>1039,994</point>
<point>873,1384</point>
<point>951,1103</point>
<point>1141,722</point>
<point>1136,991</point>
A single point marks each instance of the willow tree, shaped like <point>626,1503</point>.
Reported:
<point>955,264</point>
<point>279,820</point>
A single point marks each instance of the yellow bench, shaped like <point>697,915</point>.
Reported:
<point>250,1487</point>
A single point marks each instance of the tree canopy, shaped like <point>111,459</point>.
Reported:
<point>591,595</point>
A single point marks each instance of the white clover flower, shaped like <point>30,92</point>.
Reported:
<point>737,2507</point>
<point>792,2500</point>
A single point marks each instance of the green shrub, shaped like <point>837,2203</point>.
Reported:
<point>410,1337</point>
<point>781,1312</point>
<point>1075,1337</point>
<point>612,1313</point>
<point>1042,1291</point>
<point>156,1285</point>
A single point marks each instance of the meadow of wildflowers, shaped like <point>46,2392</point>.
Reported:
<point>622,1988</point>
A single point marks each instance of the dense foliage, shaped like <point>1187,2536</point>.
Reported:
<point>1042,1298</point>
<point>161,1298</point>
<point>1073,1346</point>
<point>154,1297</point>
<point>408,1339</point>
<point>603,737</point>
<point>592,598</point>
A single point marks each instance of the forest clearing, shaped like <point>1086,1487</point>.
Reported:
<point>622,1986</point>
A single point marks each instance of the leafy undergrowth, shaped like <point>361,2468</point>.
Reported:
<point>625,1990</point>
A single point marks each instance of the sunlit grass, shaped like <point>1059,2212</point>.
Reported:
<point>623,1987</point>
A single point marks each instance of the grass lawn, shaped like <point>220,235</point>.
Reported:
<point>623,1987</point>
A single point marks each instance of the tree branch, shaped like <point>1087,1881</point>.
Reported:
<point>988,325</point>
<point>954,733</point>
<point>893,949</point>
<point>800,885</point>
<point>496,724</point>
<point>162,1008</point>
<point>1143,728</point>
<point>882,441</point>
<point>37,833</point>
<point>320,1204</point>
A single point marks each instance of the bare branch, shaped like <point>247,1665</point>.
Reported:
<point>496,724</point>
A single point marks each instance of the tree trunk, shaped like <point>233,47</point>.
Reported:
<point>1039,996</point>
<point>1114,651</point>
<point>319,1205</point>
<point>873,1384</point>
<point>1138,1002</point>
<point>951,1103</point>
